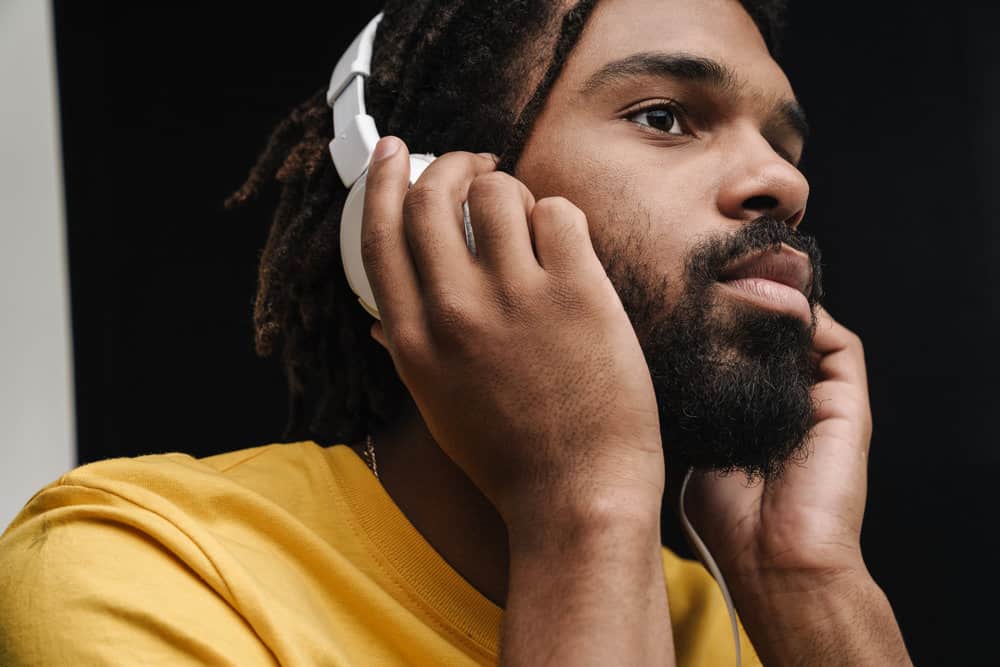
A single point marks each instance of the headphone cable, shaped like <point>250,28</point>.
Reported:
<point>709,562</point>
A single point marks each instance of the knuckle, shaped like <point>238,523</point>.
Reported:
<point>459,162</point>
<point>560,209</point>
<point>409,348</point>
<point>450,311</point>
<point>495,228</point>
<point>852,339</point>
<point>508,299</point>
<point>563,222</point>
<point>421,198</point>
<point>407,340</point>
<point>489,184</point>
<point>464,156</point>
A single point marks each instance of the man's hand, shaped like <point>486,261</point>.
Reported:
<point>521,359</point>
<point>528,374</point>
<point>791,549</point>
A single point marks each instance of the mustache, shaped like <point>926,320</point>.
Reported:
<point>708,259</point>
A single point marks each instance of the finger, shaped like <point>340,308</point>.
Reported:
<point>840,352</point>
<point>384,249</point>
<point>499,206</point>
<point>562,236</point>
<point>832,471</point>
<point>842,410</point>
<point>434,221</point>
<point>830,334</point>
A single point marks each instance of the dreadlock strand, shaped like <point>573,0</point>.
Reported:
<point>272,297</point>
<point>569,34</point>
<point>285,136</point>
<point>411,81</point>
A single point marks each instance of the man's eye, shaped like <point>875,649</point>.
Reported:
<point>660,117</point>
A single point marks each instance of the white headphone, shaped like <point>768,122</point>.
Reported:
<point>355,136</point>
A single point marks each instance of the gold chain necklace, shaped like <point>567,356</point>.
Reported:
<point>369,455</point>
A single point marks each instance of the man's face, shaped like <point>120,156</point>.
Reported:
<point>677,134</point>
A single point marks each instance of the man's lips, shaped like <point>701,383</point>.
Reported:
<point>785,266</point>
<point>775,280</point>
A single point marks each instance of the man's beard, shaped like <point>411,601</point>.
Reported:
<point>733,382</point>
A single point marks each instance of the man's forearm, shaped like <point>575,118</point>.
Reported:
<point>815,621</point>
<point>589,593</point>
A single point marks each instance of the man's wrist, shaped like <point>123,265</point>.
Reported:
<point>581,522</point>
<point>584,514</point>
<point>587,588</point>
<point>819,617</point>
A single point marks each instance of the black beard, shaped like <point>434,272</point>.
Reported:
<point>733,384</point>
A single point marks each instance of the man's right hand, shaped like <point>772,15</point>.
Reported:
<point>521,359</point>
<point>528,374</point>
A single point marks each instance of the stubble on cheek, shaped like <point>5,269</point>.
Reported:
<point>644,264</point>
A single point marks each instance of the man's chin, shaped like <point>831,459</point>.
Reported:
<point>734,388</point>
<point>731,361</point>
<point>740,328</point>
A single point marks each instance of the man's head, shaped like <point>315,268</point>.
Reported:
<point>666,121</point>
<point>677,133</point>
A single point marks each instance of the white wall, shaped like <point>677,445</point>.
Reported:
<point>37,435</point>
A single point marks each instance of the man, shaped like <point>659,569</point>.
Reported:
<point>640,303</point>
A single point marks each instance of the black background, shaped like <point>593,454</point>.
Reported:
<point>165,108</point>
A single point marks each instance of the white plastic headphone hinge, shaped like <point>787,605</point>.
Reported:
<point>353,146</point>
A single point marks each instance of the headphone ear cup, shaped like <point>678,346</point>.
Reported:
<point>350,234</point>
<point>350,246</point>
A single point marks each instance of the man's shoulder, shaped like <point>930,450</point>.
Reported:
<point>87,554</point>
<point>162,510</point>
<point>178,462</point>
<point>183,490</point>
<point>272,482</point>
<point>262,469</point>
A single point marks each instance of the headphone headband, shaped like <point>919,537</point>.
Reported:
<point>355,134</point>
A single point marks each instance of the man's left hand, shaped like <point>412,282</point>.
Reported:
<point>808,520</point>
<point>790,548</point>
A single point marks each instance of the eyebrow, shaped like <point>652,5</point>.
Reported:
<point>693,69</point>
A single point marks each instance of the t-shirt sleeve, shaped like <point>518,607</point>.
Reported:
<point>89,578</point>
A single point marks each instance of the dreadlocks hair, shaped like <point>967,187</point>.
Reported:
<point>446,75</point>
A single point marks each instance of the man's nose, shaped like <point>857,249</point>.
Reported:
<point>760,182</point>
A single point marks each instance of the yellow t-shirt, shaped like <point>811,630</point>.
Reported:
<point>283,554</point>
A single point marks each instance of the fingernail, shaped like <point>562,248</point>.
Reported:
<point>489,156</point>
<point>386,147</point>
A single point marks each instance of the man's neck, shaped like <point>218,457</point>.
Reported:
<point>443,504</point>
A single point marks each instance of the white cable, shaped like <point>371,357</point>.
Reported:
<point>706,558</point>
